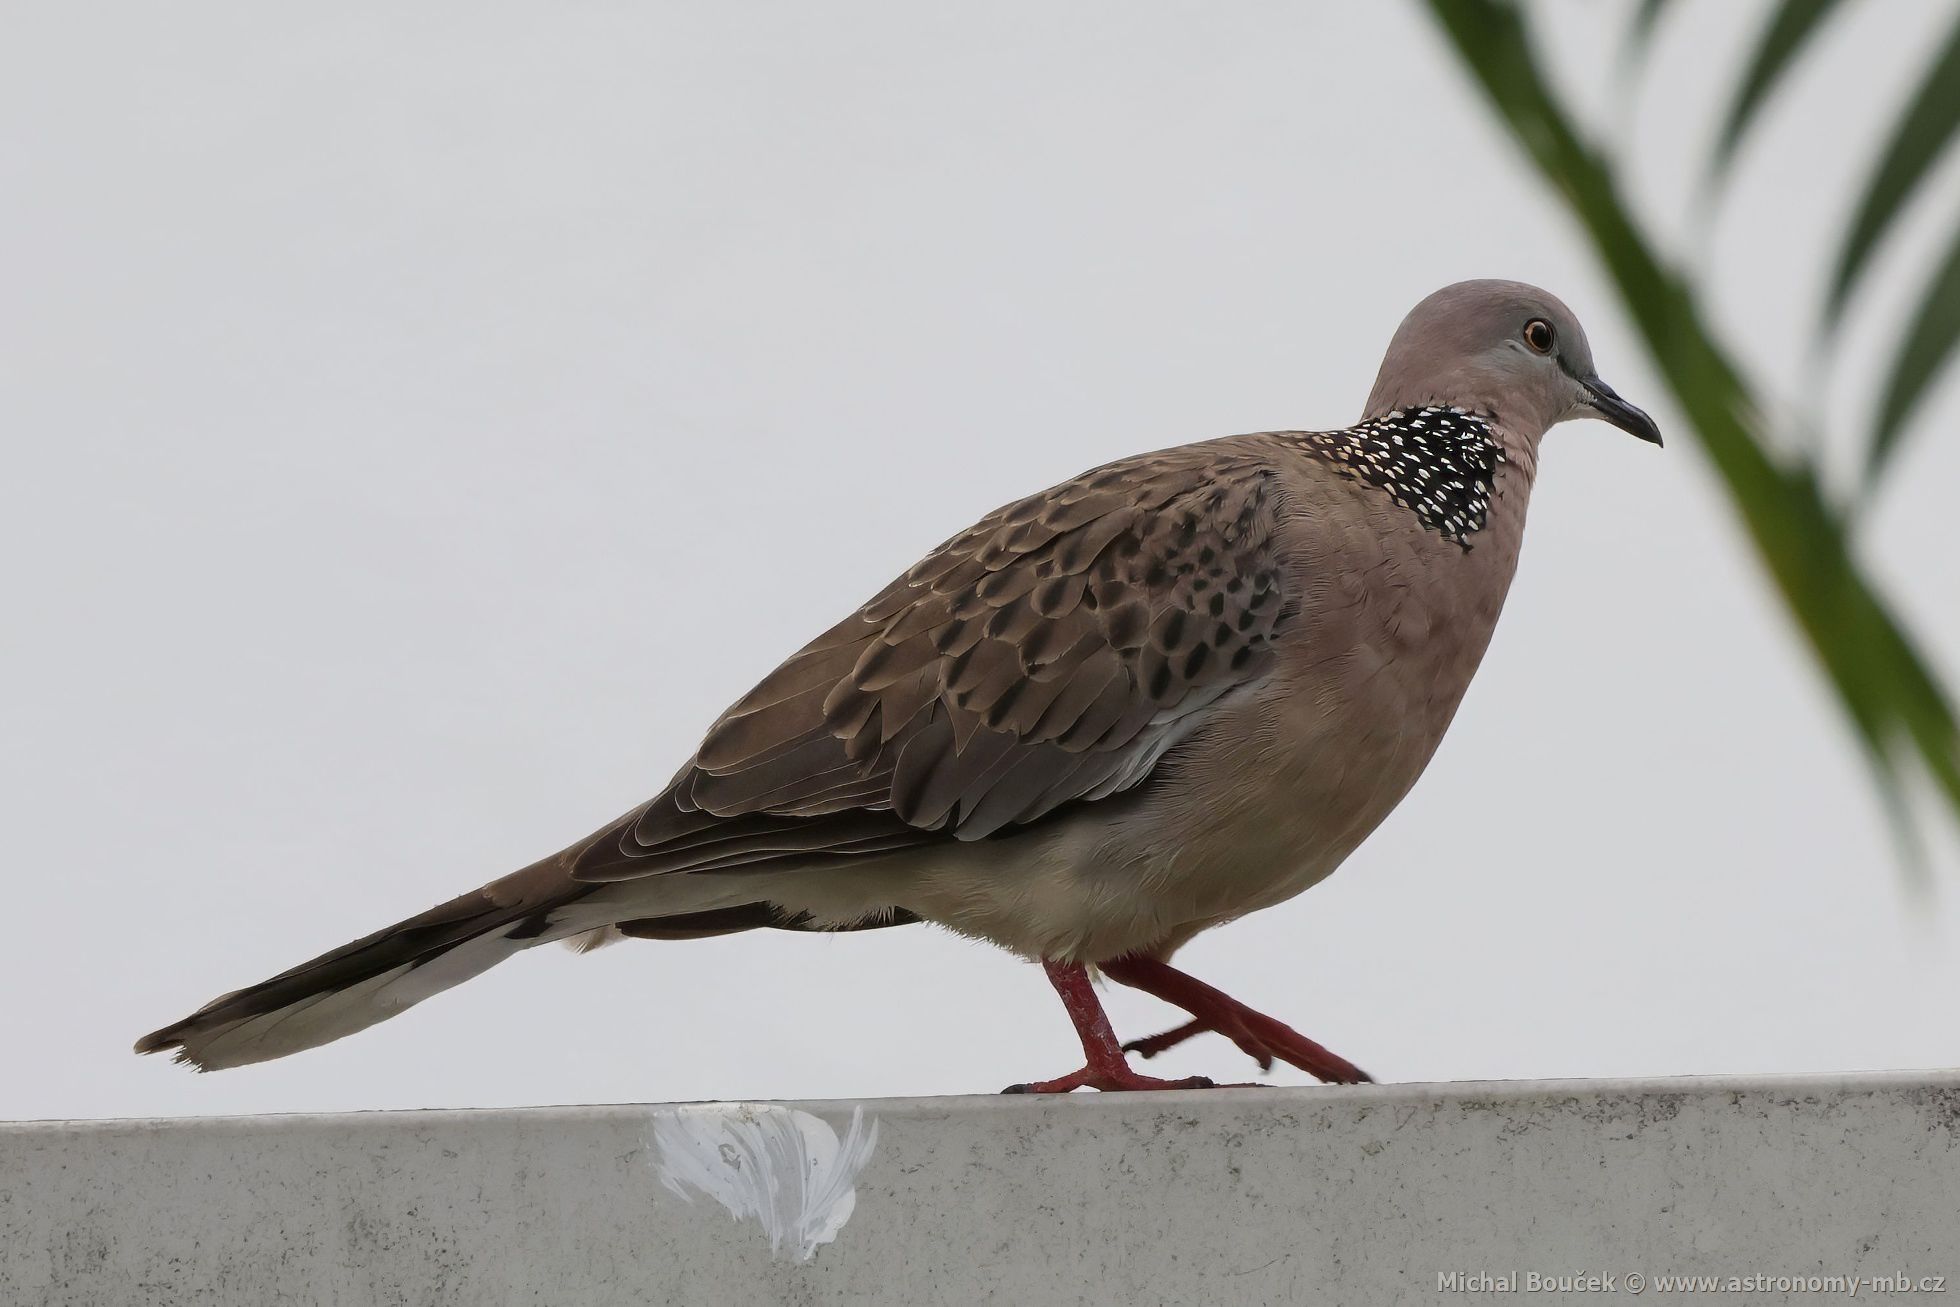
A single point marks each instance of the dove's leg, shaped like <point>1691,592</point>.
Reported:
<point>1262,1038</point>
<point>1105,1066</point>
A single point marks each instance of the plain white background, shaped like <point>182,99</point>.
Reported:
<point>420,422</point>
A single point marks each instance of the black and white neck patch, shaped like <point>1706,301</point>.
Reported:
<point>1439,463</point>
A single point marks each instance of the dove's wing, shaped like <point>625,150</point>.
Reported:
<point>1049,655</point>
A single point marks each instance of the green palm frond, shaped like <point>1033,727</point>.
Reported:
<point>1646,21</point>
<point>1924,352</point>
<point>1929,124</point>
<point>1895,701</point>
<point>1924,130</point>
<point>1789,31</point>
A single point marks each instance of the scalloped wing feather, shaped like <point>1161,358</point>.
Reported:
<point>1050,654</point>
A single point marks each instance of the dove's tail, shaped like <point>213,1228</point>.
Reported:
<point>390,971</point>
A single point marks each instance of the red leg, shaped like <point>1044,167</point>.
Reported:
<point>1258,1034</point>
<point>1105,1066</point>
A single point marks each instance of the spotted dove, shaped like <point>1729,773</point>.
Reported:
<point>1171,691</point>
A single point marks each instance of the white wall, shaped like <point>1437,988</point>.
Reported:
<point>1351,1196</point>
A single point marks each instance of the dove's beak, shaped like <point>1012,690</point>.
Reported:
<point>1606,402</point>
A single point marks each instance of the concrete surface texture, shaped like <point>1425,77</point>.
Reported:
<point>1376,1194</point>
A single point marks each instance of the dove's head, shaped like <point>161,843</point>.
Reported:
<point>1505,349</point>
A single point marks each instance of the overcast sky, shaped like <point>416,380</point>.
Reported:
<point>422,421</point>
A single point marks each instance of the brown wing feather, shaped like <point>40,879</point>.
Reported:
<point>1049,654</point>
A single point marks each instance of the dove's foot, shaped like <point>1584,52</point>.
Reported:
<point>1109,1079</point>
<point>1261,1037</point>
<point>1106,1067</point>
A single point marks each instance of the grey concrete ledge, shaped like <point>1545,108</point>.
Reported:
<point>1338,1195</point>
